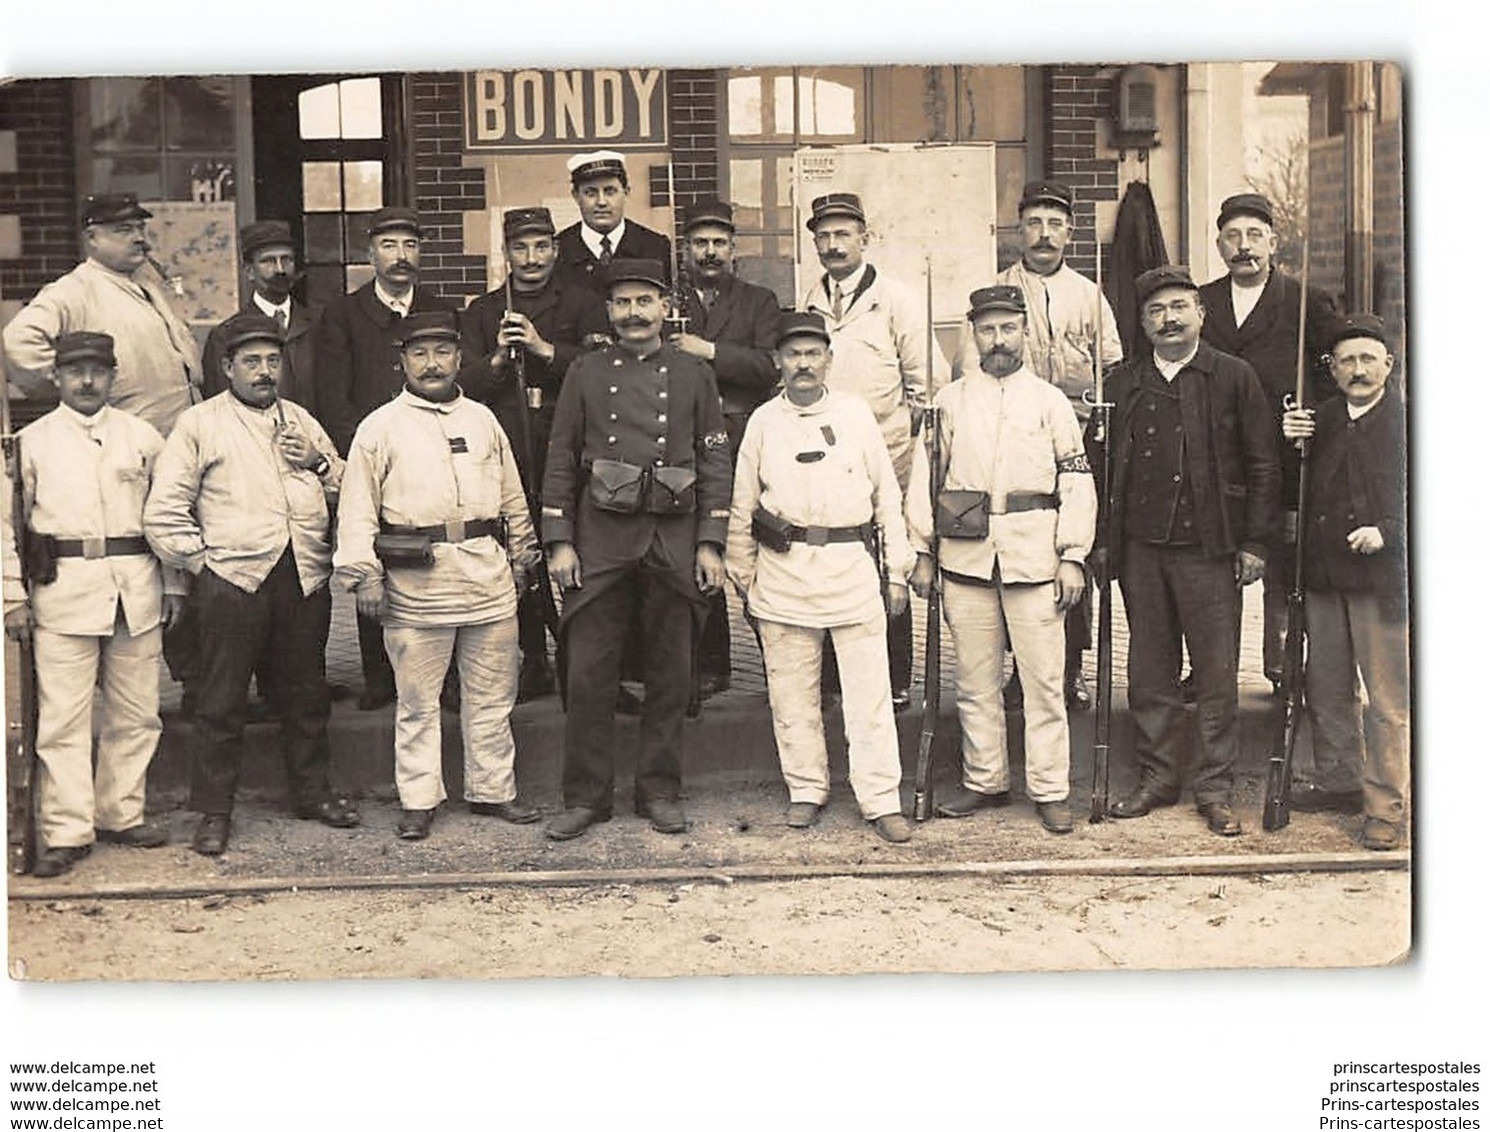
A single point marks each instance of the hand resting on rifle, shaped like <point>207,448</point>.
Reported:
<point>923,577</point>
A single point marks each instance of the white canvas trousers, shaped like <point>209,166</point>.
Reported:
<point>487,658</point>
<point>793,656</point>
<point>74,797</point>
<point>982,619</point>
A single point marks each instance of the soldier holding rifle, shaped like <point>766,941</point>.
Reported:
<point>95,604</point>
<point>517,343</point>
<point>1355,579</point>
<point>1016,518</point>
<point>813,480</point>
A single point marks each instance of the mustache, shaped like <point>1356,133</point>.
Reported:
<point>833,254</point>
<point>1170,328</point>
<point>635,320</point>
<point>1043,244</point>
<point>710,261</point>
<point>403,265</point>
<point>1243,257</point>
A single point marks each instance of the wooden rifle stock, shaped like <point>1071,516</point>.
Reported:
<point>676,322</point>
<point>931,430</point>
<point>20,667</point>
<point>1101,439</point>
<point>1275,809</point>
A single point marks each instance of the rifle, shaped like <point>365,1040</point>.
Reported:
<point>676,322</point>
<point>931,429</point>
<point>1101,427</point>
<point>517,358</point>
<point>20,733</point>
<point>1275,812</point>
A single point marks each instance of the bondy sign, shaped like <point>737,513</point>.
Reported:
<point>527,110</point>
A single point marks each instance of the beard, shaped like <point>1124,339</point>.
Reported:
<point>1001,363</point>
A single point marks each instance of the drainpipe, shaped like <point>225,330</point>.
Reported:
<point>1360,124</point>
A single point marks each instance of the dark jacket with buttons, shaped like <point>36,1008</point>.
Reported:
<point>1231,458</point>
<point>297,373</point>
<point>661,410</point>
<point>357,358</point>
<point>578,268</point>
<point>1358,478</point>
<point>741,323</point>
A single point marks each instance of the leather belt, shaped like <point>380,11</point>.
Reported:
<point>100,547</point>
<point>460,530</point>
<point>821,536</point>
<point>1028,501</point>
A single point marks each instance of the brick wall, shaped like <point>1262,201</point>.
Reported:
<point>693,133</point>
<point>1077,98</point>
<point>444,189</point>
<point>42,190</point>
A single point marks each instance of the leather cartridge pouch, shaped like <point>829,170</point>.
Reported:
<point>962,514</point>
<point>771,532</point>
<point>670,491</point>
<point>617,486</point>
<point>41,558</point>
<point>406,550</point>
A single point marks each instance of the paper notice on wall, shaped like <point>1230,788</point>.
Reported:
<point>814,168</point>
<point>196,242</point>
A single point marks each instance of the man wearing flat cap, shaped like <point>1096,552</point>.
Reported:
<point>1253,314</point>
<point>814,480</point>
<point>1065,311</point>
<point>241,500</point>
<point>358,368</point>
<point>434,469</point>
<point>732,326</point>
<point>879,342</point>
<point>1355,586</point>
<point>635,507</point>
<point>600,186</point>
<point>537,320</point>
<point>1015,521</point>
<point>270,272</point>
<point>95,603</point>
<point>114,291</point>
<point>1194,509</point>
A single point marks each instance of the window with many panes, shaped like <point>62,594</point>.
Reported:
<point>164,137</point>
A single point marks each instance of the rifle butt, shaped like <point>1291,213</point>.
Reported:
<point>1275,813</point>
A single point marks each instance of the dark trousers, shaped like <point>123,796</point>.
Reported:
<point>713,642</point>
<point>1175,596</point>
<point>900,644</point>
<point>1277,580</point>
<point>234,627</point>
<point>594,641</point>
<point>377,670</point>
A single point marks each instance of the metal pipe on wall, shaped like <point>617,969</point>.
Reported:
<point>1360,125</point>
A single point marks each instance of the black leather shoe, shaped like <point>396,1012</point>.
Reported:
<point>1139,803</point>
<point>573,822</point>
<point>1219,819</point>
<point>375,697</point>
<point>665,815</point>
<point>1055,816</point>
<point>414,825</point>
<point>535,680</point>
<point>967,802</point>
<point>1310,799</point>
<point>211,837</point>
<point>1078,695</point>
<point>518,813</point>
<point>628,702</point>
<point>136,836</point>
<point>55,862</point>
<point>802,815</point>
<point>1380,835</point>
<point>339,813</point>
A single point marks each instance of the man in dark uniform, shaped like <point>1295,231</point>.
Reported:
<point>538,317</point>
<point>732,326</point>
<point>636,500</point>
<point>358,369</point>
<point>269,267</point>
<point>600,187</point>
<point>1194,507</point>
<point>1253,313</point>
<point>1355,578</point>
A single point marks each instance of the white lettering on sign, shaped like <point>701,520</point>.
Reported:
<point>532,109</point>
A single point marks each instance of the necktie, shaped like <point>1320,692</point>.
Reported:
<point>707,297</point>
<point>282,319</point>
<point>837,302</point>
<point>605,249</point>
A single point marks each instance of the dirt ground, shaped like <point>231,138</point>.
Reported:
<point>834,925</point>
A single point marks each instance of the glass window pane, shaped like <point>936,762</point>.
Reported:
<point>200,178</point>
<point>1009,164</point>
<point>745,106</point>
<point>745,182</point>
<point>362,108</point>
<point>123,114</point>
<point>913,104</point>
<point>355,227</point>
<point>322,184</point>
<point>828,102</point>
<point>363,182</point>
<point>782,121</point>
<point>784,183</point>
<point>320,112</point>
<point>139,174</point>
<point>323,238</point>
<point>199,112</point>
<point>357,275</point>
